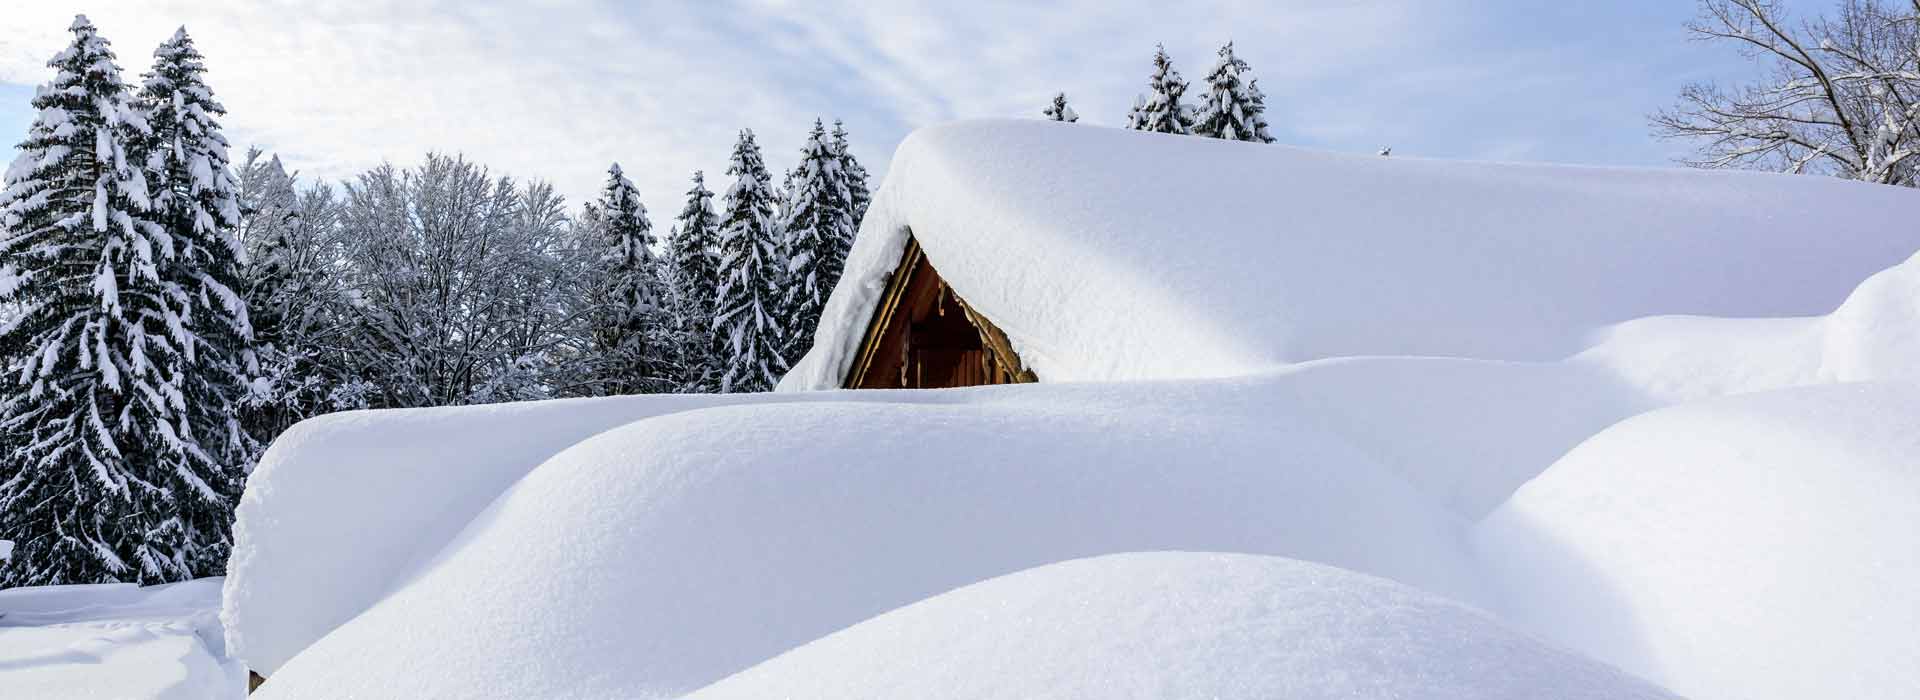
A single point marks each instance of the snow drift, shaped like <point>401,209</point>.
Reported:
<point>1176,625</point>
<point>1758,547</point>
<point>671,552</point>
<point>1271,406</point>
<point>1111,254</point>
<point>342,508</point>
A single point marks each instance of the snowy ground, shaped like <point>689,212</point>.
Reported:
<point>1359,427</point>
<point>113,642</point>
<point>1469,435</point>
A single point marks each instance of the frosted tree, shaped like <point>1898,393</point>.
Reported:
<point>694,257</point>
<point>104,483</point>
<point>1059,111</point>
<point>195,200</point>
<point>454,288</point>
<point>1839,95</point>
<point>819,228</point>
<point>292,301</point>
<point>858,196</point>
<point>747,342</point>
<point>269,217</point>
<point>533,319</point>
<point>1161,109</point>
<point>630,319</point>
<point>1232,107</point>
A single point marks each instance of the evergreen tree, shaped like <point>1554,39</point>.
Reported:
<point>105,484</point>
<point>694,253</point>
<point>858,196</point>
<point>818,227</point>
<point>1232,107</point>
<point>195,199</point>
<point>629,326</point>
<point>1161,110</point>
<point>268,216</point>
<point>1059,111</point>
<point>747,340</point>
<point>287,295</point>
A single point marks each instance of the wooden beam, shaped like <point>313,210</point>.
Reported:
<point>883,314</point>
<point>893,337</point>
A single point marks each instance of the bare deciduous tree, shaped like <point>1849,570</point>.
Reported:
<point>1840,95</point>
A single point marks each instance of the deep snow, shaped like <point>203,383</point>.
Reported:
<point>1181,625</point>
<point>115,642</point>
<point>1758,546</point>
<point>654,545</point>
<point>671,552</point>
<point>1110,254</point>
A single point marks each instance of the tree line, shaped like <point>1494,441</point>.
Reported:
<point>165,313</point>
<point>1231,106</point>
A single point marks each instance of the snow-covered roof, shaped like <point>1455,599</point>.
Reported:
<point>1109,254</point>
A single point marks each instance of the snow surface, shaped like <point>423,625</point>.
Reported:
<point>1113,254</point>
<point>1463,422</point>
<point>1759,546</point>
<point>376,493</point>
<point>671,552</point>
<point>1181,625</point>
<point>116,642</point>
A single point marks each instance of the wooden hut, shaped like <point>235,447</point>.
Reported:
<point>924,336</point>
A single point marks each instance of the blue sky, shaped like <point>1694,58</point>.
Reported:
<point>557,89</point>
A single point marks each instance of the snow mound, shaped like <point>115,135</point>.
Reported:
<point>1300,371</point>
<point>666,554</point>
<point>116,642</point>
<point>1873,336</point>
<point>1114,254</point>
<point>344,507</point>
<point>1180,625</point>
<point>1755,547</point>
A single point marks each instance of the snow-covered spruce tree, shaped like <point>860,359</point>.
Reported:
<point>1232,107</point>
<point>694,256</point>
<point>103,484</point>
<point>1161,110</point>
<point>818,226</point>
<point>1059,111</point>
<point>858,196</point>
<point>629,319</point>
<point>747,343</point>
<point>195,199</point>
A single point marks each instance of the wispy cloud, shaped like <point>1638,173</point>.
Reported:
<point>559,88</point>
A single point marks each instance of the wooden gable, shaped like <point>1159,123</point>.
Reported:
<point>924,336</point>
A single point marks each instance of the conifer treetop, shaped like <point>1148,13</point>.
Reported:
<point>1059,111</point>
<point>857,194</point>
<point>1162,110</point>
<point>625,216</point>
<point>1232,108</point>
